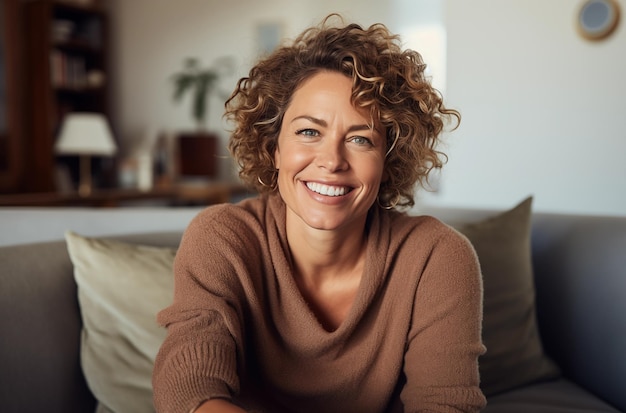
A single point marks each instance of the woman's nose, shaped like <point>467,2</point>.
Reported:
<point>331,156</point>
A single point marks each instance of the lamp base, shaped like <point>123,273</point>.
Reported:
<point>84,185</point>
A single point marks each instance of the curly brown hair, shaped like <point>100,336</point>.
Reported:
<point>387,80</point>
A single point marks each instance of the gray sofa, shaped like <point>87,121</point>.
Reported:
<point>580,277</point>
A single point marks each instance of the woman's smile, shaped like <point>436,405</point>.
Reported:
<point>328,190</point>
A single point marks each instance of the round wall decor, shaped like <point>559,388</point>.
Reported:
<point>597,19</point>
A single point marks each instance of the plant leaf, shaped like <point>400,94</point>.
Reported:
<point>200,100</point>
<point>182,83</point>
<point>202,83</point>
<point>191,64</point>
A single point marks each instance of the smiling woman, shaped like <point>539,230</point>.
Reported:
<point>320,294</point>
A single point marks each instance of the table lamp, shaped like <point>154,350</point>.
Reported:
<point>85,135</point>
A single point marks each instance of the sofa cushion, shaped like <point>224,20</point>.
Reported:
<point>121,287</point>
<point>554,396</point>
<point>515,355</point>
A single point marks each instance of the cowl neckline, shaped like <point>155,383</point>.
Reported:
<point>295,321</point>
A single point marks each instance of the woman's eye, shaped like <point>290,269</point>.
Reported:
<point>307,132</point>
<point>360,140</point>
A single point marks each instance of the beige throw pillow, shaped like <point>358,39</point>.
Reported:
<point>515,355</point>
<point>121,287</point>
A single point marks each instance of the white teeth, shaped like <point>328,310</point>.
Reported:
<point>327,189</point>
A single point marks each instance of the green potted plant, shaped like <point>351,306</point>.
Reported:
<point>197,151</point>
<point>201,82</point>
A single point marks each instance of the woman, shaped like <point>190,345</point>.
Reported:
<point>318,295</point>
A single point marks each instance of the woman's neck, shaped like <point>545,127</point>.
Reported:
<point>322,255</point>
<point>328,267</point>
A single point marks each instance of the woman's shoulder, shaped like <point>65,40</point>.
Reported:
<point>427,228</point>
<point>425,224</point>
<point>243,219</point>
<point>442,245</point>
<point>246,210</point>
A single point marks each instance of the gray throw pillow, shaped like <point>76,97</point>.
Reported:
<point>515,355</point>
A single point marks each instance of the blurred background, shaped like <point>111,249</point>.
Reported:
<point>542,105</point>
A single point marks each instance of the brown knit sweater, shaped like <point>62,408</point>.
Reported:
<point>240,329</point>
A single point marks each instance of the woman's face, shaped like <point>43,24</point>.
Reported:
<point>329,157</point>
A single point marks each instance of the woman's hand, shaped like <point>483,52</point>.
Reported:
<point>218,406</point>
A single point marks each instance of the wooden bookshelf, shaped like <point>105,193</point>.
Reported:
<point>11,104</point>
<point>66,70</point>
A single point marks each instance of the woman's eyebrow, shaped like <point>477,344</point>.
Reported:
<point>323,123</point>
<point>317,121</point>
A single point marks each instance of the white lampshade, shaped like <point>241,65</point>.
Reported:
<point>85,134</point>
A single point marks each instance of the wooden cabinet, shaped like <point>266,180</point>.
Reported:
<point>10,104</point>
<point>66,70</point>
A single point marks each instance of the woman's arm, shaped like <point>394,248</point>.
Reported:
<point>198,359</point>
<point>444,343</point>
<point>218,406</point>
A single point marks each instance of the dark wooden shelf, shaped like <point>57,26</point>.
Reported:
<point>73,10</point>
<point>78,90</point>
<point>172,196</point>
<point>76,46</point>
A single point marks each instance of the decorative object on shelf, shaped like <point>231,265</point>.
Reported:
<point>597,19</point>
<point>202,82</point>
<point>196,155</point>
<point>95,78</point>
<point>85,135</point>
<point>62,30</point>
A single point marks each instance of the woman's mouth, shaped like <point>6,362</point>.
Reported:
<point>328,190</point>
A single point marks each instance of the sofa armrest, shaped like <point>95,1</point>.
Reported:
<point>40,327</point>
<point>40,331</point>
<point>580,277</point>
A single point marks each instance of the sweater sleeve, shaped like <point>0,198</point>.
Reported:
<point>444,343</point>
<point>198,359</point>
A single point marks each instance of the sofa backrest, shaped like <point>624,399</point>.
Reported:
<point>29,225</point>
<point>580,278</point>
<point>40,328</point>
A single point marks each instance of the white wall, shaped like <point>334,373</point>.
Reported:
<point>541,107</point>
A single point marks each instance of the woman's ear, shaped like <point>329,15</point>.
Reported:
<point>277,157</point>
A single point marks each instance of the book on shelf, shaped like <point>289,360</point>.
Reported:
<point>67,71</point>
